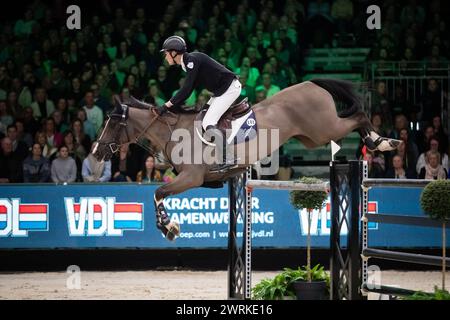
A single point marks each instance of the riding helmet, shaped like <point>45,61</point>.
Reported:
<point>175,43</point>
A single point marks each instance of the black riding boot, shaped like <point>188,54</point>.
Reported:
<point>226,163</point>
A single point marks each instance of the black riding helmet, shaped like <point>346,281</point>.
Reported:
<point>174,43</point>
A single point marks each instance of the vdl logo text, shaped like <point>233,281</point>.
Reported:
<point>102,216</point>
<point>17,219</point>
<point>321,220</point>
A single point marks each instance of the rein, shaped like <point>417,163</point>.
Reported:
<point>144,131</point>
<point>115,146</point>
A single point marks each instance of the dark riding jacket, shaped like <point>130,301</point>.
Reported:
<point>202,70</point>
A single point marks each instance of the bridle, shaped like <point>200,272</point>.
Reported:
<point>114,144</point>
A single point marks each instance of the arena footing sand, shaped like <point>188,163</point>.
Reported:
<point>162,285</point>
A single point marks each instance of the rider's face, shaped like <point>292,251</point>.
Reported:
<point>168,58</point>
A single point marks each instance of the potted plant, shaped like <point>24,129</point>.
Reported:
<point>281,287</point>
<point>314,287</point>
<point>435,202</point>
<point>438,294</point>
<point>278,288</point>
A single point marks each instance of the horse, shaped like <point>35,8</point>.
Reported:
<point>306,111</point>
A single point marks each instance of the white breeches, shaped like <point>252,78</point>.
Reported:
<point>219,105</point>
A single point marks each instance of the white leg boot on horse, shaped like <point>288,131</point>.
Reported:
<point>381,143</point>
<point>189,178</point>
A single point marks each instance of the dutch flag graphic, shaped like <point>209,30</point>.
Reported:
<point>127,216</point>
<point>32,217</point>
<point>3,217</point>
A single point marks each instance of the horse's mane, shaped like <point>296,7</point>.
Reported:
<point>138,104</point>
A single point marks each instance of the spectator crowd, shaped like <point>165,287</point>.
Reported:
<point>57,85</point>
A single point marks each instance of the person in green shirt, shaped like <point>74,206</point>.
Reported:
<point>267,85</point>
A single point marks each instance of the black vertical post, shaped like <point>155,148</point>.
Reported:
<point>335,242</point>
<point>345,263</point>
<point>233,250</point>
<point>354,235</point>
<point>239,259</point>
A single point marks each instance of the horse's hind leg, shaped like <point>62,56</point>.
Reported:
<point>187,179</point>
<point>370,138</point>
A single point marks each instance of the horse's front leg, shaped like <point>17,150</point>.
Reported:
<point>187,179</point>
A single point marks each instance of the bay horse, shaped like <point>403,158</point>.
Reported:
<point>306,111</point>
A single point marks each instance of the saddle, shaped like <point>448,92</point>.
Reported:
<point>234,112</point>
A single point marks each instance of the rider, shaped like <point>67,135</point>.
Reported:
<point>202,70</point>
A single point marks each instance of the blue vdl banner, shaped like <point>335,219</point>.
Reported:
<point>122,216</point>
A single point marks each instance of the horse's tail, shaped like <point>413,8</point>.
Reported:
<point>342,92</point>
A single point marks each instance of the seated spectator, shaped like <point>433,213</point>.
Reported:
<point>441,134</point>
<point>149,173</point>
<point>252,72</point>
<point>75,148</point>
<point>59,86</point>
<point>64,168</point>
<point>267,85</point>
<point>42,107</point>
<point>54,138</point>
<point>342,13</point>
<point>60,125</point>
<point>36,168</point>
<point>76,93</point>
<point>424,139</point>
<point>87,125</point>
<point>30,124</point>
<point>379,97</point>
<point>80,137</point>
<point>48,151</point>
<point>10,163</point>
<point>96,171</point>
<point>120,165</point>
<point>19,147</point>
<point>24,27</point>
<point>94,113</point>
<point>377,124</point>
<point>397,171</point>
<point>261,95</point>
<point>154,94</point>
<point>132,86</point>
<point>6,117</point>
<point>433,146</point>
<point>22,135</point>
<point>401,122</point>
<point>62,106</point>
<point>124,59</point>
<point>431,101</point>
<point>433,170</point>
<point>99,100</point>
<point>374,169</point>
<point>76,151</point>
<point>411,146</point>
<point>247,90</point>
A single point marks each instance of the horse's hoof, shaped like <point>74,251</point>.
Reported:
<point>170,236</point>
<point>388,144</point>
<point>172,230</point>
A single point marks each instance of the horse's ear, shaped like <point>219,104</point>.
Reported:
<point>117,104</point>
